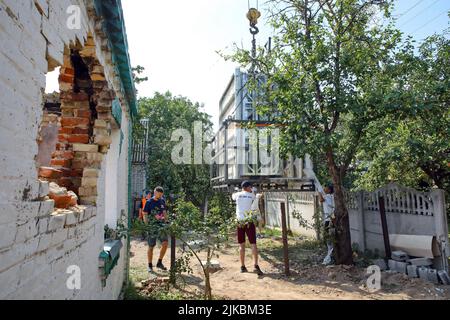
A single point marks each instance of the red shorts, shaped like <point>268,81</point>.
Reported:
<point>250,230</point>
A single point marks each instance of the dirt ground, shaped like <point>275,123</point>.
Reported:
<point>309,280</point>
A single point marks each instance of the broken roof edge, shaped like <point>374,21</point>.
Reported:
<point>114,28</point>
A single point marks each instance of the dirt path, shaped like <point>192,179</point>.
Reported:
<point>309,280</point>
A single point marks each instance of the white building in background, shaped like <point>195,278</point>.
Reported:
<point>239,152</point>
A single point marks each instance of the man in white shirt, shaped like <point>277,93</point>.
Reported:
<point>244,214</point>
<point>327,199</point>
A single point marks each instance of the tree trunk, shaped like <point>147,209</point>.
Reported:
<point>342,246</point>
<point>208,291</point>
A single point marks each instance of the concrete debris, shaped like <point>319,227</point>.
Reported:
<point>444,277</point>
<point>423,273</point>
<point>421,262</point>
<point>399,256</point>
<point>433,276</point>
<point>380,263</point>
<point>397,266</point>
<point>412,271</point>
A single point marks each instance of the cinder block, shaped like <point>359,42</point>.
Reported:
<point>400,266</point>
<point>392,265</point>
<point>412,271</point>
<point>399,256</point>
<point>421,262</point>
<point>380,263</point>
<point>423,273</point>
<point>433,276</point>
<point>444,277</point>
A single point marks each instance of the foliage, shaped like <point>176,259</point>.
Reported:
<point>167,113</point>
<point>137,71</point>
<point>187,223</point>
<point>121,231</point>
<point>212,230</point>
<point>416,150</point>
<point>220,204</point>
<point>331,74</point>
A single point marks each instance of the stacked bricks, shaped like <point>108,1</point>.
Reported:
<point>85,127</point>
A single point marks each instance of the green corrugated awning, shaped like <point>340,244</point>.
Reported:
<point>114,28</point>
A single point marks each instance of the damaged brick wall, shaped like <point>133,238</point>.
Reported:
<point>38,242</point>
<point>85,129</point>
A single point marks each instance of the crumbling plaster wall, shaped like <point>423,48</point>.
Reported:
<point>37,245</point>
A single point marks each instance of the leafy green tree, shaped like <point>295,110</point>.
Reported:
<point>199,234</point>
<point>416,150</point>
<point>167,113</point>
<point>332,72</point>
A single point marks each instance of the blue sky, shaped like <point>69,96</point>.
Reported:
<point>421,18</point>
<point>176,41</point>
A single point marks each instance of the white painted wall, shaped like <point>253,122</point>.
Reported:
<point>36,247</point>
<point>112,178</point>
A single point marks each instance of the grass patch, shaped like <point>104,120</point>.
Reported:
<point>271,232</point>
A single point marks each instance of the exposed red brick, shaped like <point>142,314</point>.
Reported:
<point>60,163</point>
<point>80,96</point>
<point>68,71</point>
<point>78,138</point>
<point>66,78</point>
<point>62,201</point>
<point>80,131</point>
<point>80,113</point>
<point>49,173</point>
<point>73,122</point>
<point>65,130</point>
<point>76,173</point>
<point>61,146</point>
<point>69,155</point>
<point>62,137</point>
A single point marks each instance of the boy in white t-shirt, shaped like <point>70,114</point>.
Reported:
<point>244,200</point>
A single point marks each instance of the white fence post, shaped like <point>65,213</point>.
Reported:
<point>361,226</point>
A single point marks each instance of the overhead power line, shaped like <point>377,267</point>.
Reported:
<point>418,14</point>
<point>413,6</point>
<point>431,20</point>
